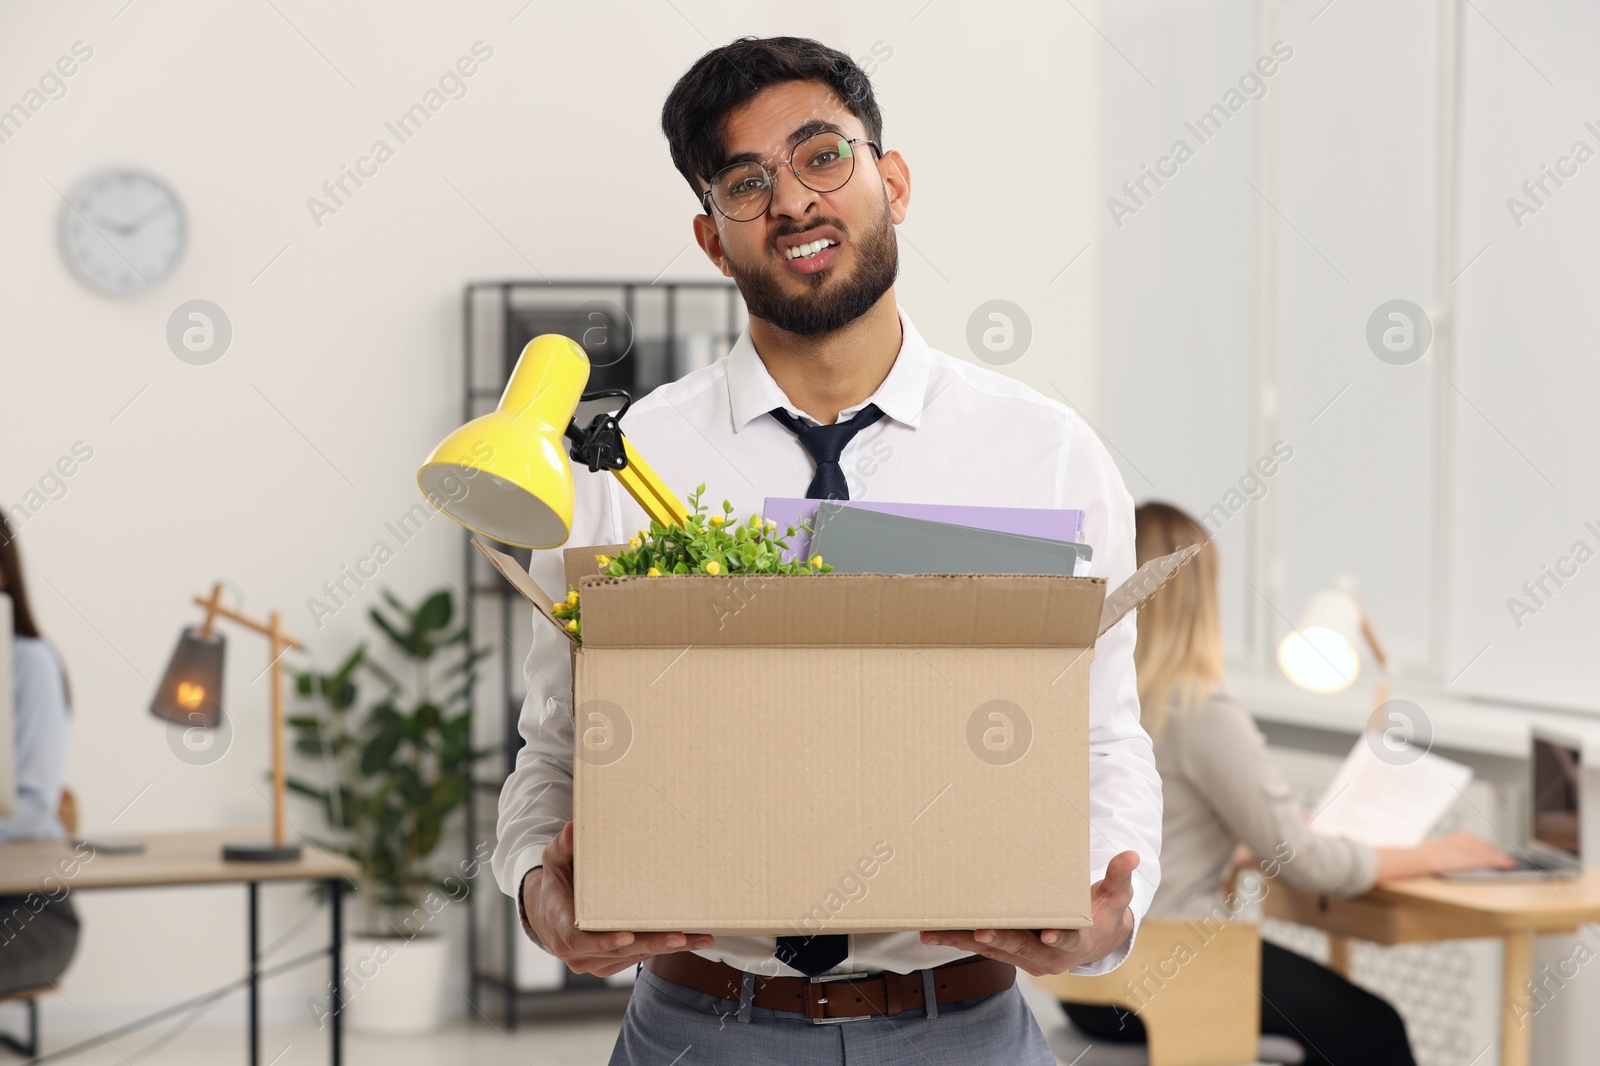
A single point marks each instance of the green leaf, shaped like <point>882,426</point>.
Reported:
<point>406,642</point>
<point>348,668</point>
<point>428,827</point>
<point>427,718</point>
<point>294,784</point>
<point>379,751</point>
<point>434,614</point>
<point>383,675</point>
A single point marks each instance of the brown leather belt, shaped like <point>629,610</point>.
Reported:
<point>839,996</point>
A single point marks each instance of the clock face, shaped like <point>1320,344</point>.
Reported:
<point>123,232</point>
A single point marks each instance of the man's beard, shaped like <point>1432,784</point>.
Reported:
<point>831,302</point>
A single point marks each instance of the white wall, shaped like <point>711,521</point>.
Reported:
<point>1349,135</point>
<point>279,464</point>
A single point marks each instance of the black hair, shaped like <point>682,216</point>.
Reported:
<point>727,78</point>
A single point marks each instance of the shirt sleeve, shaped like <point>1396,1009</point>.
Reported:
<point>1124,788</point>
<point>1224,754</point>
<point>43,732</point>
<point>536,799</point>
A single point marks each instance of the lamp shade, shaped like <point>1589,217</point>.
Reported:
<point>506,474</point>
<point>190,692</point>
<point>1323,655</point>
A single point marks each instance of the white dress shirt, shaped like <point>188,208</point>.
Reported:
<point>953,432</point>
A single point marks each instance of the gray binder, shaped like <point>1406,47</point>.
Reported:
<point>854,540</point>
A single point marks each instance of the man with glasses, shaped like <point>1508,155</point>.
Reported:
<point>832,393</point>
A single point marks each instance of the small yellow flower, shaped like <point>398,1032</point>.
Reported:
<point>755,521</point>
<point>634,543</point>
<point>717,521</point>
<point>572,626</point>
<point>652,572</point>
<point>816,560</point>
<point>713,567</point>
<point>572,598</point>
<point>603,560</point>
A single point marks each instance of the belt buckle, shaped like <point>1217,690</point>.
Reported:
<point>824,979</point>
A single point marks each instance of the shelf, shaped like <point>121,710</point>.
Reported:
<point>710,308</point>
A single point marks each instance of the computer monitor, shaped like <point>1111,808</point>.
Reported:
<point>1557,785</point>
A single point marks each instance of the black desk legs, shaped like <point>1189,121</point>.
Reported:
<point>254,889</point>
<point>335,985</point>
<point>335,950</point>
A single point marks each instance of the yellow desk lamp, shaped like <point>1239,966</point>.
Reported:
<point>519,481</point>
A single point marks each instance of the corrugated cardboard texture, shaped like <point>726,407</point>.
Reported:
<point>964,610</point>
<point>749,789</point>
<point>579,562</point>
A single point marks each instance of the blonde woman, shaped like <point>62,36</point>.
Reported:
<point>1223,794</point>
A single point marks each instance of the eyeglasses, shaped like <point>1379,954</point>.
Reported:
<point>822,162</point>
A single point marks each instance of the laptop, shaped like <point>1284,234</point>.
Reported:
<point>1554,850</point>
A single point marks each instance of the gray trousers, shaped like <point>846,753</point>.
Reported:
<point>667,1023</point>
<point>37,939</point>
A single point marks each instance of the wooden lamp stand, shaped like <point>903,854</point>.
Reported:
<point>278,849</point>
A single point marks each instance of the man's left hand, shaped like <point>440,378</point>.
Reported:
<point>1057,950</point>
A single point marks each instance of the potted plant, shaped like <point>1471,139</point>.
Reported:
<point>704,544</point>
<point>392,775</point>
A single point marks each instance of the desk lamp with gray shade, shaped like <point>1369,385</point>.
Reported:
<point>190,694</point>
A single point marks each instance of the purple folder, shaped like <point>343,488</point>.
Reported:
<point>1054,523</point>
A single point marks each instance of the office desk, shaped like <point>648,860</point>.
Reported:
<point>1429,909</point>
<point>191,858</point>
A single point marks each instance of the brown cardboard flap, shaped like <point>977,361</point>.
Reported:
<point>963,610</point>
<point>1142,585</point>
<point>523,583</point>
<point>579,562</point>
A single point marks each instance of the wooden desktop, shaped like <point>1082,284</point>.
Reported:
<point>1426,909</point>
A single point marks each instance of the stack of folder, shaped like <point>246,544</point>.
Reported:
<point>861,537</point>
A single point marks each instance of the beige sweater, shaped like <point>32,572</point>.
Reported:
<point>1222,788</point>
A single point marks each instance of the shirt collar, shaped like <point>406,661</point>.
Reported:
<point>901,396</point>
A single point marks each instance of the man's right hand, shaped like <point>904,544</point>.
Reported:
<point>547,897</point>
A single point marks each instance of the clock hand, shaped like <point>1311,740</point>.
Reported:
<point>121,228</point>
<point>128,229</point>
<point>148,217</point>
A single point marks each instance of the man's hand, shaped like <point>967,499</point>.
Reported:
<point>1057,950</point>
<point>547,897</point>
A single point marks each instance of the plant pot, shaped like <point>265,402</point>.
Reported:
<point>394,985</point>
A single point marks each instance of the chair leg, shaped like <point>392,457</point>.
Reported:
<point>28,1048</point>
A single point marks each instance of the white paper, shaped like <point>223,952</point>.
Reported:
<point>1392,799</point>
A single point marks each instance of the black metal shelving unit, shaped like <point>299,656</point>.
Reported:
<point>638,335</point>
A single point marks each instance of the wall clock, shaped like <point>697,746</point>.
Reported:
<point>123,231</point>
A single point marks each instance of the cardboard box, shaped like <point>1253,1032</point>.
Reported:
<point>796,754</point>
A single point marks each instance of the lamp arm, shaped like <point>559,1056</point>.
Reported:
<point>1376,721</point>
<point>215,610</point>
<point>212,605</point>
<point>1372,642</point>
<point>645,486</point>
<point>602,445</point>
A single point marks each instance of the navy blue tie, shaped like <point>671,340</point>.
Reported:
<point>826,444</point>
<point>813,955</point>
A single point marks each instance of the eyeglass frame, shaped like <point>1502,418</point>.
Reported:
<point>772,177</point>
